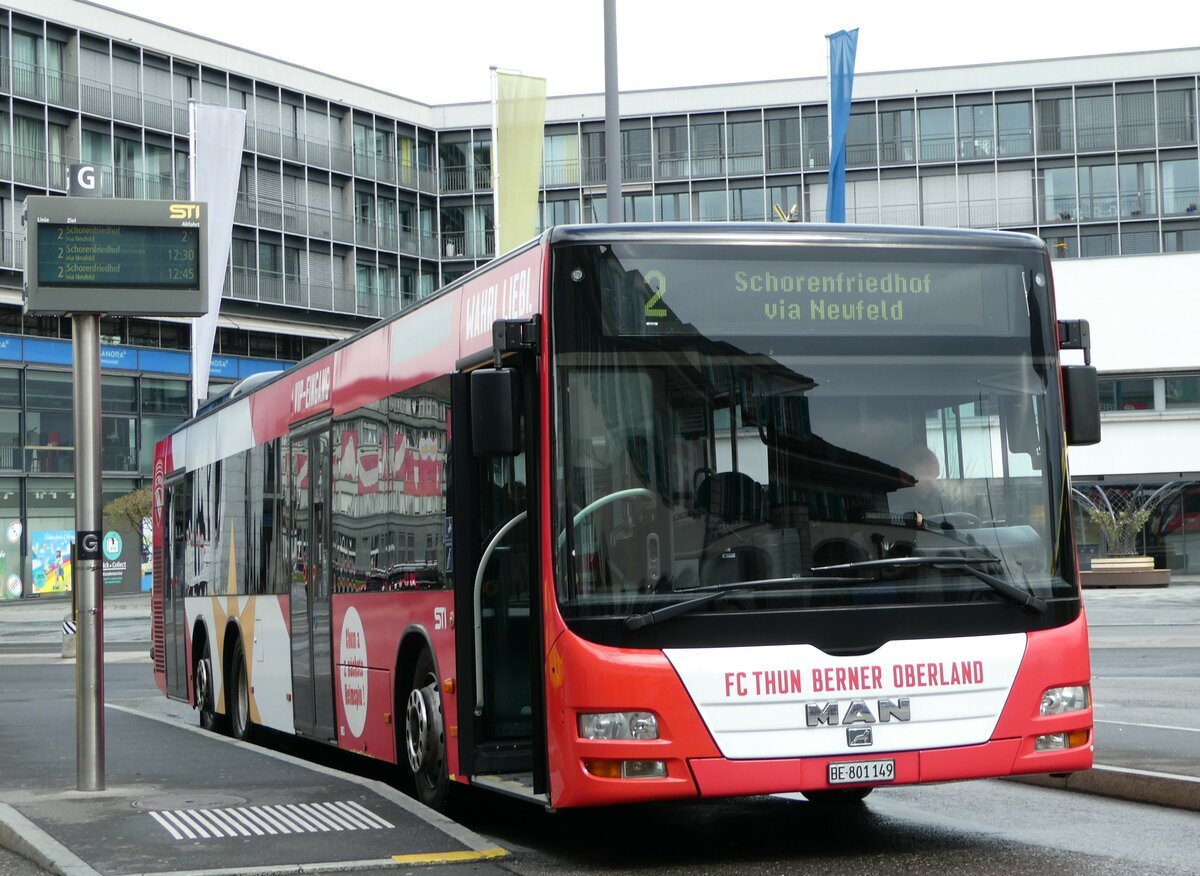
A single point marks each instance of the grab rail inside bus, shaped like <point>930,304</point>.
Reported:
<point>483,561</point>
<point>634,492</point>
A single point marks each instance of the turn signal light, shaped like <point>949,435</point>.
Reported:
<point>1061,741</point>
<point>627,769</point>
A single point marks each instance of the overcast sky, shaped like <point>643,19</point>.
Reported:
<point>440,52</point>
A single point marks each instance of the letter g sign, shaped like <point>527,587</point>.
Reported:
<point>83,181</point>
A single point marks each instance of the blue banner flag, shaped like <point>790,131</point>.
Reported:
<point>842,46</point>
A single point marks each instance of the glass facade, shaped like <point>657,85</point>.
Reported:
<point>346,213</point>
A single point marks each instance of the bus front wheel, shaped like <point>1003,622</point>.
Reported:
<point>239,695</point>
<point>425,735</point>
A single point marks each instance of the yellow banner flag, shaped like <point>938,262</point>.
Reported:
<point>517,151</point>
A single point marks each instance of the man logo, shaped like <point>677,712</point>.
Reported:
<point>185,211</point>
<point>859,737</point>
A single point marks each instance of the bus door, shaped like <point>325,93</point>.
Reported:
<point>308,498</point>
<point>499,594</point>
<point>176,514</point>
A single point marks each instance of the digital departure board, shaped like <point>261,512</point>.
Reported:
<point>129,256</point>
<point>115,256</point>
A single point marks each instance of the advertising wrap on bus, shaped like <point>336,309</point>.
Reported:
<point>651,512</point>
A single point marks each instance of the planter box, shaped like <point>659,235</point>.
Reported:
<point>1125,572</point>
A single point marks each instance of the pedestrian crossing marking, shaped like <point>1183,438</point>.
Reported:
<point>276,820</point>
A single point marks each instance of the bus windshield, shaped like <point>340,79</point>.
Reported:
<point>806,423</point>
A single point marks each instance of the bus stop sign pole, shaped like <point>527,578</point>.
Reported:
<point>84,257</point>
<point>88,572</point>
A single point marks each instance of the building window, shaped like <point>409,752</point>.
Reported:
<point>710,206</point>
<point>1015,122</point>
<point>745,148</point>
<point>673,207</point>
<point>1098,192</point>
<point>1182,392</point>
<point>976,132</point>
<point>1097,243</point>
<point>1094,123</point>
<point>896,140</point>
<point>1180,184</point>
<point>1058,195</point>
<point>1055,125</point>
<point>1181,240</point>
<point>746,205</point>
<point>1138,189</point>
<point>937,134</point>
<point>1176,117</point>
<point>861,149</point>
<point>816,139</point>
<point>783,144</point>
<point>1127,394</point>
<point>1135,120</point>
<point>1139,241</point>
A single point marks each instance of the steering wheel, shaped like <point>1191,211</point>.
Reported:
<point>617,496</point>
<point>958,519</point>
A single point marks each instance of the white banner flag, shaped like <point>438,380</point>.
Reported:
<point>218,135</point>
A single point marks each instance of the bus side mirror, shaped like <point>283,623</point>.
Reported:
<point>495,412</point>
<point>1081,400</point>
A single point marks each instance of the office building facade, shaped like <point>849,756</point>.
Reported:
<point>354,203</point>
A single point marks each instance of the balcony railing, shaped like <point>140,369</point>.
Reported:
<point>12,250</point>
<point>454,180</point>
<point>783,156</point>
<point>1181,201</point>
<point>559,174</point>
<point>468,244</point>
<point>29,166</point>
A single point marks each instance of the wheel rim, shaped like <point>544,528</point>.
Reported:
<point>204,684</point>
<point>422,732</point>
<point>416,735</point>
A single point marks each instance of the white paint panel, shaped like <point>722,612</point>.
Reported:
<point>216,437</point>
<point>754,700</point>
<point>271,665</point>
<point>424,330</point>
<point>268,651</point>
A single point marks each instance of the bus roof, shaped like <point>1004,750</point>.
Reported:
<point>795,232</point>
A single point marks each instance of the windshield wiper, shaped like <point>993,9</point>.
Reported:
<point>1023,598</point>
<point>712,593</point>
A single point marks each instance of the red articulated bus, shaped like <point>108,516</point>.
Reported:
<point>640,512</point>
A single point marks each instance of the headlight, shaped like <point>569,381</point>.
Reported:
<point>618,725</point>
<point>1060,700</point>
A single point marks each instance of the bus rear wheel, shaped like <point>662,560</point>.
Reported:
<point>239,695</point>
<point>425,735</point>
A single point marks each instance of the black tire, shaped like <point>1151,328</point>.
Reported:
<point>238,696</point>
<point>837,796</point>
<point>424,739</point>
<point>204,681</point>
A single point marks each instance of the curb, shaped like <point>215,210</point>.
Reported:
<point>19,834</point>
<point>1138,786</point>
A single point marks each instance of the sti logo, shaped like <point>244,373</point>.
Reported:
<point>184,211</point>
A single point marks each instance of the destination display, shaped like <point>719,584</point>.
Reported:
<point>131,256</point>
<point>668,294</point>
<point>117,256</point>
